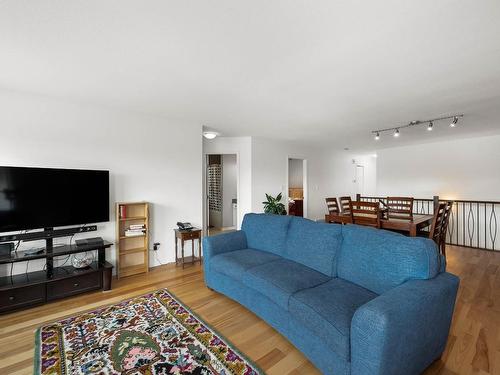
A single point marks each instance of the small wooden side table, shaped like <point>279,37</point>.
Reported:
<point>187,235</point>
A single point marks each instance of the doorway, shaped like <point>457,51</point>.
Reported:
<point>297,187</point>
<point>359,179</point>
<point>222,191</point>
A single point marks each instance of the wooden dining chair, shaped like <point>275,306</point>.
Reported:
<point>400,208</point>
<point>439,225</point>
<point>334,215</point>
<point>345,204</point>
<point>333,206</point>
<point>365,213</point>
<point>444,228</point>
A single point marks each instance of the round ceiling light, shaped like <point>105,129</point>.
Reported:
<point>209,135</point>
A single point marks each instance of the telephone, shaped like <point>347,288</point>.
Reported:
<point>184,226</point>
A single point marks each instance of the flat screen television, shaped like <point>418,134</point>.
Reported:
<point>32,198</point>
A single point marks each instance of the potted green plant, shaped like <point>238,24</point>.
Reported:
<point>274,205</point>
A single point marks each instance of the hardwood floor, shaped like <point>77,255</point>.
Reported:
<point>214,231</point>
<point>473,346</point>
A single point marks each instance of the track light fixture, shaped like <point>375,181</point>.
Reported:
<point>429,122</point>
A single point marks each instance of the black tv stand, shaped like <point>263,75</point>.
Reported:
<point>49,246</point>
<point>33,288</point>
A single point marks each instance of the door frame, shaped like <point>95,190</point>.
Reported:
<point>305,187</point>
<point>357,167</point>
<point>206,211</point>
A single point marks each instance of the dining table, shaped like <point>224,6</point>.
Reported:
<point>412,227</point>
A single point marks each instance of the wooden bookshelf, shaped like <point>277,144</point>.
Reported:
<point>132,253</point>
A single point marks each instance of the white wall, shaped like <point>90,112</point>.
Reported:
<point>369,163</point>
<point>341,173</point>
<point>149,158</point>
<point>262,165</point>
<point>229,188</point>
<point>269,173</point>
<point>242,147</point>
<point>456,169</point>
<point>295,173</point>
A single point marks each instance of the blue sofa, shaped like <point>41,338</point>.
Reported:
<point>354,300</point>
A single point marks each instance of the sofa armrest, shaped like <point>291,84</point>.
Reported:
<point>223,243</point>
<point>404,330</point>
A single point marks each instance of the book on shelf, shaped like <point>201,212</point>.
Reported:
<point>134,233</point>
<point>123,211</point>
<point>137,226</point>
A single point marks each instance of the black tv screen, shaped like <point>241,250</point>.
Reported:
<point>32,198</point>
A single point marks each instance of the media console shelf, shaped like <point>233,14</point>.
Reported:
<point>33,288</point>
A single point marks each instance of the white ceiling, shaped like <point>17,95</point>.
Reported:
<point>319,71</point>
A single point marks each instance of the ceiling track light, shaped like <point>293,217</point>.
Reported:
<point>429,122</point>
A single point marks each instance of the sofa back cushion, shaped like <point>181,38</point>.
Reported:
<point>266,232</point>
<point>314,245</point>
<point>379,260</point>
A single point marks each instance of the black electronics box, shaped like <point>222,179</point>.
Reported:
<point>94,241</point>
<point>6,249</point>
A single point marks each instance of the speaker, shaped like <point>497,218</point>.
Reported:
<point>47,233</point>
<point>6,249</point>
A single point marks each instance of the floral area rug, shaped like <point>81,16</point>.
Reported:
<point>152,334</point>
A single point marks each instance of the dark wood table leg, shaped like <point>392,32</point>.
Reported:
<point>199,248</point>
<point>413,230</point>
<point>192,251</point>
<point>182,252</point>
<point>176,258</point>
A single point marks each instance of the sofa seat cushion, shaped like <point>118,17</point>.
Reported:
<point>235,263</point>
<point>278,280</point>
<point>327,310</point>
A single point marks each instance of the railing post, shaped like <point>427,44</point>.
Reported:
<point>358,197</point>
<point>436,202</point>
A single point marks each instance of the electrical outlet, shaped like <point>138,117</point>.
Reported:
<point>156,245</point>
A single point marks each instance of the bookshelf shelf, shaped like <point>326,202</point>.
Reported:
<point>131,218</point>
<point>127,237</point>
<point>132,251</point>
